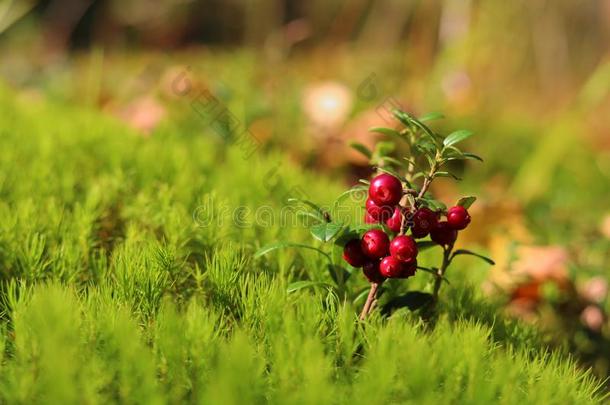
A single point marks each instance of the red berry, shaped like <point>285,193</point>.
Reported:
<point>424,220</point>
<point>379,213</point>
<point>385,189</point>
<point>353,254</point>
<point>443,233</point>
<point>368,219</point>
<point>390,267</point>
<point>371,271</point>
<point>458,217</point>
<point>395,221</point>
<point>403,248</point>
<point>375,243</point>
<point>408,269</point>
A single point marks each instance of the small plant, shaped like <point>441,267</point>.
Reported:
<point>399,212</point>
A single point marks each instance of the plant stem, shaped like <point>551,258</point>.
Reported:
<point>369,300</point>
<point>427,180</point>
<point>438,277</point>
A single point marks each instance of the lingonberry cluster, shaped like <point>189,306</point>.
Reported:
<point>400,211</point>
<point>391,253</point>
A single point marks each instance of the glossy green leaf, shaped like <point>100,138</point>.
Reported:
<point>466,202</point>
<point>435,115</point>
<point>387,131</point>
<point>403,117</point>
<point>345,194</point>
<point>472,156</point>
<point>393,161</point>
<point>325,231</point>
<point>317,209</point>
<point>433,204</point>
<point>384,148</point>
<point>456,137</point>
<point>362,149</point>
<point>425,146</point>
<point>470,253</point>
<point>446,174</point>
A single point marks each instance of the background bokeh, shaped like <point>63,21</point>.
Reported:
<point>530,77</point>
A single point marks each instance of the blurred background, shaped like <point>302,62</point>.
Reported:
<point>530,77</point>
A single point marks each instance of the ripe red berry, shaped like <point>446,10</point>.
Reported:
<point>443,234</point>
<point>371,271</point>
<point>458,217</point>
<point>378,212</point>
<point>375,243</point>
<point>395,221</point>
<point>403,248</point>
<point>353,254</point>
<point>385,189</point>
<point>368,219</point>
<point>390,267</point>
<point>424,220</point>
<point>408,269</point>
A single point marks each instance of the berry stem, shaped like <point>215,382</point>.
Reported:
<point>369,301</point>
<point>440,273</point>
<point>428,179</point>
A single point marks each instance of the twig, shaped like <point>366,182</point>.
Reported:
<point>438,277</point>
<point>369,300</point>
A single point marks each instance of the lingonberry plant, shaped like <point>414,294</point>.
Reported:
<point>399,212</point>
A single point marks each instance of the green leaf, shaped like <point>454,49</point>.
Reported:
<point>325,231</point>
<point>343,195</point>
<point>446,174</point>
<point>425,146</point>
<point>321,212</point>
<point>384,148</point>
<point>393,161</point>
<point>434,204</point>
<point>435,115</point>
<point>466,202</point>
<point>452,151</point>
<point>456,137</point>
<point>403,117</point>
<point>305,215</point>
<point>461,156</point>
<point>299,285</point>
<point>470,253</point>
<point>362,149</point>
<point>418,175</point>
<point>387,131</point>
<point>472,156</point>
<point>280,245</point>
<point>413,162</point>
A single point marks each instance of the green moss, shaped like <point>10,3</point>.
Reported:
<point>114,291</point>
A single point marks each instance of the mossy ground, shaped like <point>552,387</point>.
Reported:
<point>113,291</point>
